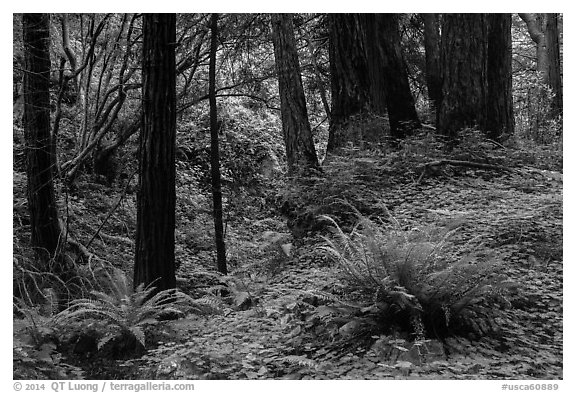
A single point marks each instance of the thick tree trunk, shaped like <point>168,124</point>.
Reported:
<point>464,67</point>
<point>349,77</point>
<point>500,109</point>
<point>300,151</point>
<point>432,48</point>
<point>554,64</point>
<point>385,52</point>
<point>154,263</point>
<point>39,150</point>
<point>215,153</point>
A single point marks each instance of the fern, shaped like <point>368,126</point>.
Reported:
<point>126,308</point>
<point>412,272</point>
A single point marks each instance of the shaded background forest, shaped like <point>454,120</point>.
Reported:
<point>315,116</point>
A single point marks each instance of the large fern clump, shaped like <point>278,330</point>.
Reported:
<point>124,311</point>
<point>416,279</point>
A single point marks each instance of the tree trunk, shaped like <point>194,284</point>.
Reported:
<point>214,152</point>
<point>349,78</point>
<point>536,30</point>
<point>154,262</point>
<point>317,74</point>
<point>464,63</point>
<point>432,48</point>
<point>543,29</point>
<point>385,54</point>
<point>500,110</point>
<point>39,150</point>
<point>300,151</point>
<point>554,64</point>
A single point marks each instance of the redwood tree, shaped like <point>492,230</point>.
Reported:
<point>349,78</point>
<point>385,53</point>
<point>39,150</point>
<point>500,110</point>
<point>554,64</point>
<point>432,49</point>
<point>368,77</point>
<point>300,151</point>
<point>154,263</point>
<point>464,67</point>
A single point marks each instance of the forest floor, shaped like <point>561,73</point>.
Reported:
<point>274,323</point>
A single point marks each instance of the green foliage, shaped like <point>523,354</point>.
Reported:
<point>411,277</point>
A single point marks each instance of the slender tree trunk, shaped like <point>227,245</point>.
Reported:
<point>543,30</point>
<point>464,67</point>
<point>349,77</point>
<point>154,262</point>
<point>214,152</point>
<point>317,74</point>
<point>383,36</point>
<point>432,48</point>
<point>500,109</point>
<point>300,151</point>
<point>554,64</point>
<point>536,27</point>
<point>39,150</point>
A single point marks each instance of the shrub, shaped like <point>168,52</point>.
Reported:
<point>413,279</point>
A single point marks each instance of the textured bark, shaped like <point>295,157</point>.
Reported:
<point>554,64</point>
<point>39,160</point>
<point>369,76</point>
<point>215,152</point>
<point>385,54</point>
<point>349,78</point>
<point>500,109</point>
<point>300,151</point>
<point>432,48</point>
<point>154,262</point>
<point>464,66</point>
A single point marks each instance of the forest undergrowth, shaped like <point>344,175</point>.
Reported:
<point>288,310</point>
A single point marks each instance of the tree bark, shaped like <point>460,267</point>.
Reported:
<point>464,67</point>
<point>154,259</point>
<point>300,151</point>
<point>500,109</point>
<point>543,30</point>
<point>536,31</point>
<point>349,77</point>
<point>39,150</point>
<point>386,58</point>
<point>432,49</point>
<point>554,64</point>
<point>215,153</point>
